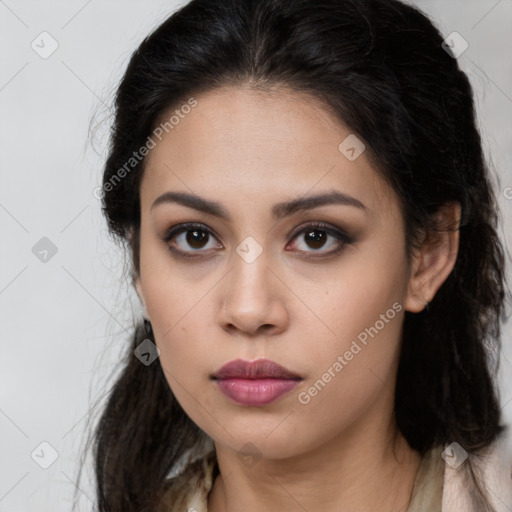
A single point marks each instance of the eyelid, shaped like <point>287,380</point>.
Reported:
<point>186,226</point>
<point>323,226</point>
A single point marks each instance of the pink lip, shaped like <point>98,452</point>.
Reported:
<point>255,382</point>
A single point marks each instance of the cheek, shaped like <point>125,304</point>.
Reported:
<point>174,309</point>
<point>351,372</point>
<point>365,287</point>
<point>171,290</point>
<point>178,335</point>
<point>364,313</point>
<point>183,358</point>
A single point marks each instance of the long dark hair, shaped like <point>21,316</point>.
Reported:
<point>380,67</point>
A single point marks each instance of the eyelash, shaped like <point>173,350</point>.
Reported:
<point>342,237</point>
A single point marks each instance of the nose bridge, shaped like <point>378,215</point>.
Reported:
<point>250,277</point>
<point>250,297</point>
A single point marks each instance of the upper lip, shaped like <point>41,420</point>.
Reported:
<point>259,369</point>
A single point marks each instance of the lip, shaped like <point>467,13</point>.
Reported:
<point>255,382</point>
<point>258,369</point>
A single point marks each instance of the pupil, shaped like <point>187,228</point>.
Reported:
<point>193,238</point>
<point>316,241</point>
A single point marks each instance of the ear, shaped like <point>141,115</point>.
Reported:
<point>433,263</point>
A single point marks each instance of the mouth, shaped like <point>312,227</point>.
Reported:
<point>255,383</point>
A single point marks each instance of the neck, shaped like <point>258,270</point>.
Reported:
<point>361,470</point>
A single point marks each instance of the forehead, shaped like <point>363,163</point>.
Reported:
<point>257,144</point>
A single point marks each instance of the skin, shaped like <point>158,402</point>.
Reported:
<point>249,150</point>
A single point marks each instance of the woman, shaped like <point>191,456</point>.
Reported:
<point>302,190</point>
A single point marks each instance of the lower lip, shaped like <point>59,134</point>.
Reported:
<point>255,391</point>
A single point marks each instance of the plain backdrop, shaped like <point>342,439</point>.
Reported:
<point>65,308</point>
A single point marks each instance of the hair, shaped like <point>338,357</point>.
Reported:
<point>380,68</point>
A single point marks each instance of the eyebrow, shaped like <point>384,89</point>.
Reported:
<point>279,210</point>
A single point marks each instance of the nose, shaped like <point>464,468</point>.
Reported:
<point>253,299</point>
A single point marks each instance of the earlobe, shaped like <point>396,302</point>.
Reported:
<point>432,265</point>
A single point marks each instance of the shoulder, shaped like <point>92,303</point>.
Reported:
<point>494,467</point>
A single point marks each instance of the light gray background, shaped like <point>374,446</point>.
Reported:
<point>63,322</point>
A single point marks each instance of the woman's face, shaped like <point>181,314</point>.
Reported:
<point>263,281</point>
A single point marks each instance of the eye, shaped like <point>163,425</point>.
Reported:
<point>190,238</point>
<point>195,236</point>
<point>316,236</point>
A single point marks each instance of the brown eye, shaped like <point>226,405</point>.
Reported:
<point>187,239</point>
<point>196,238</point>
<point>315,238</point>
